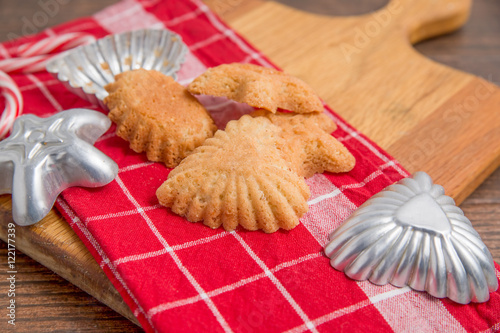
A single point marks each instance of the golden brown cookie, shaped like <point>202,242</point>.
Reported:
<point>257,86</point>
<point>308,144</point>
<point>157,115</point>
<point>238,177</point>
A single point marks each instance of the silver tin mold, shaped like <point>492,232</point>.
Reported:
<point>412,234</point>
<point>44,156</point>
<point>85,70</point>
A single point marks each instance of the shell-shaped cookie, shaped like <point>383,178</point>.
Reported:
<point>157,115</point>
<point>238,177</point>
<point>412,234</point>
<point>257,86</point>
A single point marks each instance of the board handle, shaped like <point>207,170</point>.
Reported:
<point>425,19</point>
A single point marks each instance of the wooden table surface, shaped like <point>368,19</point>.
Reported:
<point>46,302</point>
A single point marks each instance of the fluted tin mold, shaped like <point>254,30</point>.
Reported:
<point>87,69</point>
<point>412,234</point>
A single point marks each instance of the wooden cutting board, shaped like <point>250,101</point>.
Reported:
<point>428,116</point>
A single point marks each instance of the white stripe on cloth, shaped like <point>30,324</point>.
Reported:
<point>107,136</point>
<point>331,316</point>
<point>349,309</point>
<point>253,56</point>
<point>184,18</point>
<point>327,213</point>
<point>174,248</point>
<point>35,86</point>
<point>45,92</point>
<point>76,220</point>
<point>205,42</point>
<point>363,183</point>
<point>494,328</point>
<point>276,282</point>
<point>389,294</point>
<point>348,137</point>
<point>229,33</point>
<point>410,311</point>
<point>135,166</point>
<point>227,288</point>
<point>178,262</point>
<point>120,214</point>
<point>328,210</point>
<point>367,144</point>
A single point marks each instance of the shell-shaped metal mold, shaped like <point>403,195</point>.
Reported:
<point>87,69</point>
<point>44,156</point>
<point>412,234</point>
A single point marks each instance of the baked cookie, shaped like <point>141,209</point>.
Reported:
<point>238,177</point>
<point>257,86</point>
<point>307,143</point>
<point>157,115</point>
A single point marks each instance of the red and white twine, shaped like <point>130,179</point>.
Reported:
<point>30,58</point>
<point>13,103</point>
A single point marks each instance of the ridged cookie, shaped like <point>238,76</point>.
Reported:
<point>157,115</point>
<point>307,143</point>
<point>257,86</point>
<point>238,177</point>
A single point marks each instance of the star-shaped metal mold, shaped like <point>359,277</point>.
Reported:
<point>412,234</point>
<point>44,156</point>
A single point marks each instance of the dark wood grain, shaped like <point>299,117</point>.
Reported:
<point>475,48</point>
<point>19,18</point>
<point>483,209</point>
<point>47,302</point>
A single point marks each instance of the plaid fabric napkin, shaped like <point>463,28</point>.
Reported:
<point>180,276</point>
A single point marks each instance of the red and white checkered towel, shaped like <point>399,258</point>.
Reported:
<point>184,277</point>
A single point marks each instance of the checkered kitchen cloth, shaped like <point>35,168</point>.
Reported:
<point>185,277</point>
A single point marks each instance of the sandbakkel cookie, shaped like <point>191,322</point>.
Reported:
<point>157,115</point>
<point>257,86</point>
<point>238,177</point>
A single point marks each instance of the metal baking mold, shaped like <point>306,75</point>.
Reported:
<point>412,234</point>
<point>85,70</point>
<point>44,156</point>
